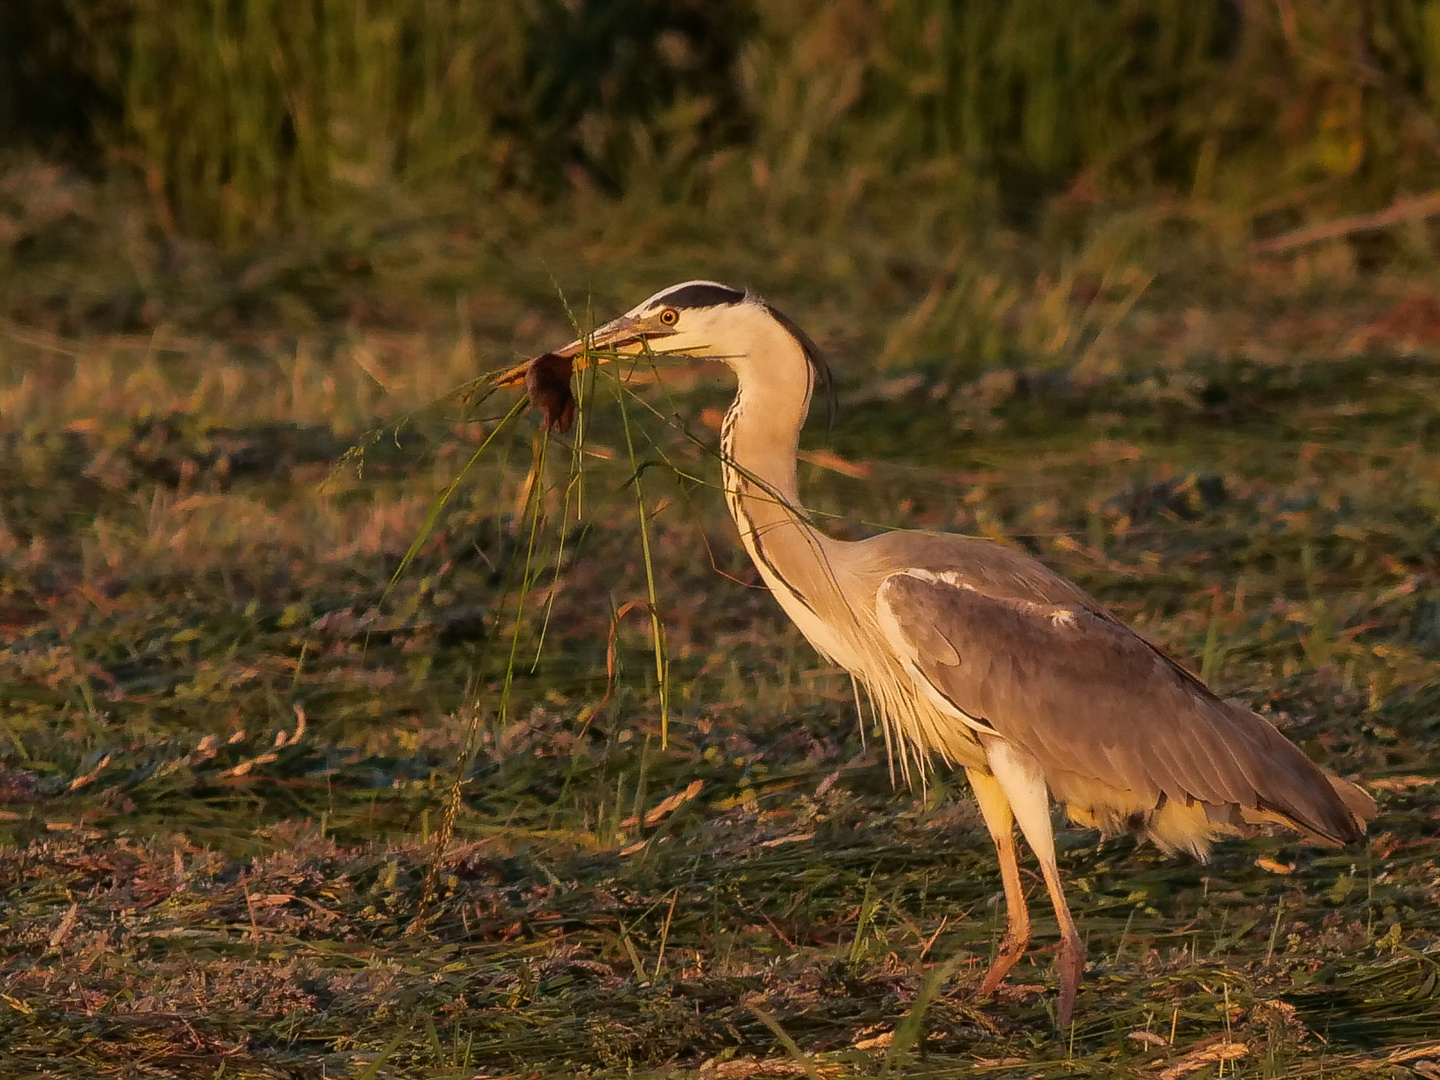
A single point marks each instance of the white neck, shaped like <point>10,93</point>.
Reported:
<point>759,440</point>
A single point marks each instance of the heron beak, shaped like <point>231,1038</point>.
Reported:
<point>624,334</point>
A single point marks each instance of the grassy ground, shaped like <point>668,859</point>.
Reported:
<point>226,748</point>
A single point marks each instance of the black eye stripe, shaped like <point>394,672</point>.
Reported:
<point>700,294</point>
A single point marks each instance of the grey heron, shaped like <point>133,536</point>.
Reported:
<point>980,654</point>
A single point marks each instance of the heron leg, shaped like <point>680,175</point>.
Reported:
<point>999,819</point>
<point>1071,960</point>
<point>1020,779</point>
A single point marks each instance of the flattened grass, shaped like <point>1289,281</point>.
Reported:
<point>225,749</point>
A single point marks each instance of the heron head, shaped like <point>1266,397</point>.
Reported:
<point>707,320</point>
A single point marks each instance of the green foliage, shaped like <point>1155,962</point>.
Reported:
<point>249,115</point>
<point>246,116</point>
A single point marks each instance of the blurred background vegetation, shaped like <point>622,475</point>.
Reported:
<point>951,185</point>
<point>246,117</point>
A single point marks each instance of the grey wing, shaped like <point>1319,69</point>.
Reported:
<point>1091,700</point>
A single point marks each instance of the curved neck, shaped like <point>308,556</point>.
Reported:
<point>758,441</point>
<point>826,586</point>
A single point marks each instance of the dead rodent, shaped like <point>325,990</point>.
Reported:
<point>547,381</point>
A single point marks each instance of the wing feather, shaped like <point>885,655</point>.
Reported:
<point>1092,700</point>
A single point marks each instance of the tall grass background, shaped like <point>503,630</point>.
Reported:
<point>248,116</point>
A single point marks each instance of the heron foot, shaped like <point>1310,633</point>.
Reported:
<point>1071,966</point>
<point>1012,947</point>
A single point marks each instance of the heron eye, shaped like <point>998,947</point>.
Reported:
<point>669,316</point>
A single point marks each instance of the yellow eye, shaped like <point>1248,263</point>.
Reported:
<point>669,316</point>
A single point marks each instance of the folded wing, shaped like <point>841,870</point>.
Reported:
<point>1121,732</point>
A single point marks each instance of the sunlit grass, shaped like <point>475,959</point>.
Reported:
<point>480,852</point>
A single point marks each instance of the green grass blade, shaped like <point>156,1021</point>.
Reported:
<point>438,504</point>
<point>657,625</point>
<point>800,1057</point>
